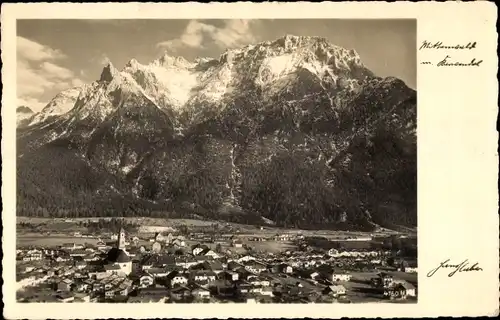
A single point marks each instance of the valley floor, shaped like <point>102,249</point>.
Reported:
<point>276,265</point>
<point>71,225</point>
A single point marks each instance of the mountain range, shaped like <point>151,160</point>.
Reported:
<point>296,131</point>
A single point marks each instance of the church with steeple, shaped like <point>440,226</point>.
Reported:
<point>118,260</point>
<point>121,240</point>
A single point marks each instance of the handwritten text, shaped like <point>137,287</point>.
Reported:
<point>463,266</point>
<point>448,61</point>
<point>439,45</point>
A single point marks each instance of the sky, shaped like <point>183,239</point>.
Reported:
<point>53,55</point>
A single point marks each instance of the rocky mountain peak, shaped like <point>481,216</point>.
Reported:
<point>311,48</point>
<point>167,60</point>
<point>60,105</point>
<point>23,115</point>
<point>24,109</point>
<point>108,73</point>
<point>133,63</point>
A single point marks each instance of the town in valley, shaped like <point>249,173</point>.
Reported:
<point>115,260</point>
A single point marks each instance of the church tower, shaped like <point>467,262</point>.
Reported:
<point>121,239</point>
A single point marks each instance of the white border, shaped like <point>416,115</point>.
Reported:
<point>457,173</point>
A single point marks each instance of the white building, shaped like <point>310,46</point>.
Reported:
<point>198,250</point>
<point>260,282</point>
<point>204,276</point>
<point>411,269</point>
<point>211,253</point>
<point>254,267</point>
<point>156,247</point>
<point>267,291</point>
<point>245,258</point>
<point>201,293</point>
<point>146,281</point>
<point>179,279</point>
<point>33,256</point>
<point>410,289</point>
<point>237,243</point>
<point>338,276</point>
<point>333,252</point>
<point>337,290</point>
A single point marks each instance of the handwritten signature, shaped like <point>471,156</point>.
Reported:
<point>461,267</point>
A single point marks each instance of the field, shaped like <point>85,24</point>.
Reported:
<point>67,222</point>
<point>53,240</point>
<point>62,230</point>
<point>271,246</point>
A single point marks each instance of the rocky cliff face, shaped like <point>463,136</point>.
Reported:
<point>297,131</point>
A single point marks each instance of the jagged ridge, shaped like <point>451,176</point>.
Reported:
<point>296,130</point>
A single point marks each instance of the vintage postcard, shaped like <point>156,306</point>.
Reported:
<point>263,160</point>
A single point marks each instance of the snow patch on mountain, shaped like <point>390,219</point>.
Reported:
<point>167,81</point>
<point>60,104</point>
<point>178,83</point>
<point>279,65</point>
<point>127,168</point>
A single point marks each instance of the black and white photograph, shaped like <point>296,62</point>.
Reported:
<point>216,161</point>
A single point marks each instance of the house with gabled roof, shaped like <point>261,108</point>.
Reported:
<point>335,290</point>
<point>233,265</point>
<point>210,253</point>
<point>214,265</point>
<point>176,278</point>
<point>285,268</point>
<point>203,275</point>
<point>180,293</point>
<point>266,291</point>
<point>260,281</point>
<point>186,262</point>
<point>254,266</point>
<point>201,293</point>
<point>246,258</point>
<point>65,297</point>
<point>228,275</point>
<point>340,275</point>
<point>409,288</point>
<point>146,280</point>
<point>158,272</point>
<point>197,249</point>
